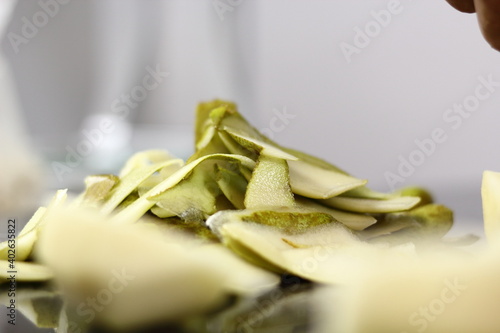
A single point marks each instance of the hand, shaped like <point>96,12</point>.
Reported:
<point>488,14</point>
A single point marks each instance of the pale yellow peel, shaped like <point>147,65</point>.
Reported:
<point>372,205</point>
<point>24,272</point>
<point>145,158</point>
<point>258,146</point>
<point>318,183</point>
<point>133,179</point>
<point>353,221</point>
<point>24,243</point>
<point>490,192</point>
<point>139,207</point>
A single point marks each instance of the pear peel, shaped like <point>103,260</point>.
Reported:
<point>180,200</point>
<point>353,221</point>
<point>232,184</point>
<point>132,180</point>
<point>289,220</point>
<point>327,254</point>
<point>428,223</point>
<point>234,147</point>
<point>269,185</point>
<point>139,207</point>
<point>317,183</point>
<point>27,238</point>
<point>275,207</point>
<point>166,272</point>
<point>257,146</point>
<point>34,221</point>
<point>490,192</point>
<point>203,119</point>
<point>145,158</point>
<point>97,188</point>
<point>25,272</point>
<point>372,205</point>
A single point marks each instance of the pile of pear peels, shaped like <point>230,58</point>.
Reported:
<point>279,209</point>
<point>243,176</point>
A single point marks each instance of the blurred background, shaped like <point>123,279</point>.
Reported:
<point>397,92</point>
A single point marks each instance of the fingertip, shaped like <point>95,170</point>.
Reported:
<point>465,6</point>
<point>488,14</point>
<point>494,43</point>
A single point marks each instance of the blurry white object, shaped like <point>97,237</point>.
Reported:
<point>20,170</point>
<point>445,292</point>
